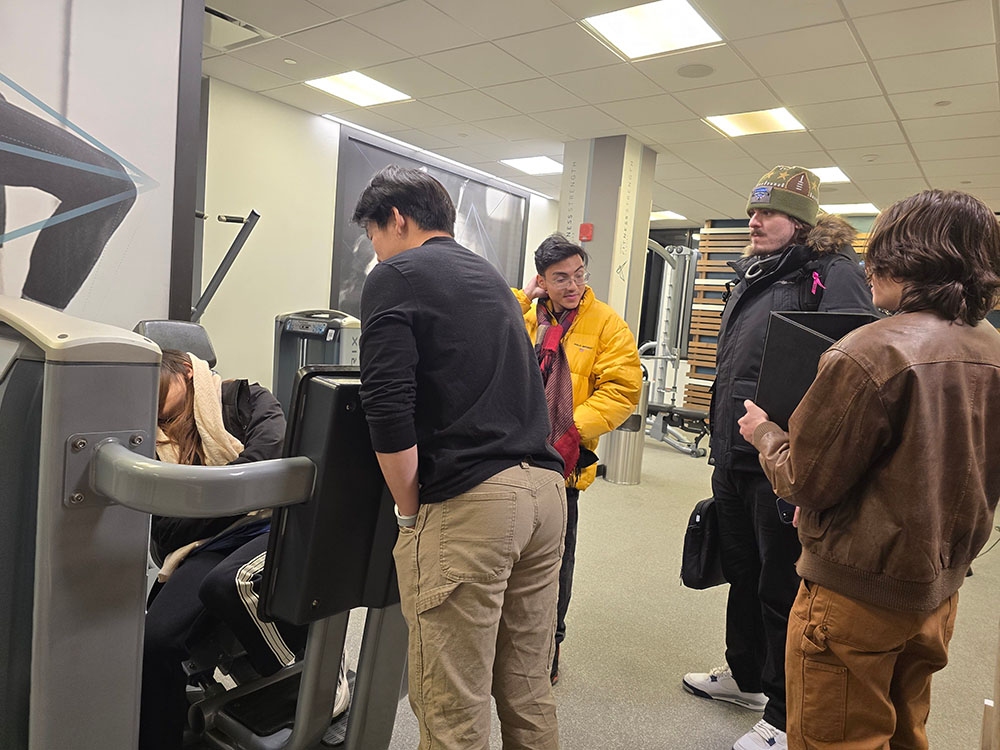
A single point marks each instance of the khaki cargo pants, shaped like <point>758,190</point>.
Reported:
<point>478,580</point>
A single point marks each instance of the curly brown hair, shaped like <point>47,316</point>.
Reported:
<point>944,247</point>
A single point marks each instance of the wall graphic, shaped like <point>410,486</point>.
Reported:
<point>491,218</point>
<point>87,132</point>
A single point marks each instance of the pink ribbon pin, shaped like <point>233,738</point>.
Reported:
<point>817,282</point>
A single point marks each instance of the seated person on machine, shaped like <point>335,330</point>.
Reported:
<point>211,567</point>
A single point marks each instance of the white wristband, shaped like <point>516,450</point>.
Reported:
<point>404,521</point>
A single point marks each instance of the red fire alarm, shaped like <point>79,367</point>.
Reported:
<point>586,232</point>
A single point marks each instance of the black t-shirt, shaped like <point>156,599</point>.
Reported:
<point>447,365</point>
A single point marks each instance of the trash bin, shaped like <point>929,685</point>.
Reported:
<point>625,444</point>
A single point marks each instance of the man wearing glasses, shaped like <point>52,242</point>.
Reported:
<point>590,366</point>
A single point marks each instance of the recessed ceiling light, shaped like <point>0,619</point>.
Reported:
<point>290,61</point>
<point>751,123</point>
<point>535,165</point>
<point>829,174</point>
<point>358,88</point>
<point>665,215</point>
<point>869,157</point>
<point>850,209</point>
<point>695,70</point>
<point>653,28</point>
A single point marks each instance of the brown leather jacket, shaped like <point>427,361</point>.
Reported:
<point>894,459</point>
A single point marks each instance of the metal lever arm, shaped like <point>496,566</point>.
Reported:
<point>183,491</point>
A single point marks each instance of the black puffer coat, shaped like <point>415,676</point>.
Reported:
<point>254,417</point>
<point>777,282</point>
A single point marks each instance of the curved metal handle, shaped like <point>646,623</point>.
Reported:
<point>183,491</point>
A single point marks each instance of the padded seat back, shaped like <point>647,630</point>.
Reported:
<point>179,334</point>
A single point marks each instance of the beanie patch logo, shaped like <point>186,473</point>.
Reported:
<point>761,194</point>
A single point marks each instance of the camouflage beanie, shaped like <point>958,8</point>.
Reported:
<point>790,190</point>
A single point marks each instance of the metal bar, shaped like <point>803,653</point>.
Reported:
<point>318,688</point>
<point>199,491</point>
<point>227,262</point>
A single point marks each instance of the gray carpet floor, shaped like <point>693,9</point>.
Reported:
<point>633,630</point>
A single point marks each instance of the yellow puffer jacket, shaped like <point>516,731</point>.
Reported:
<point>604,364</point>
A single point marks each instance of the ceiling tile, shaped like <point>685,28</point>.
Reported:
<point>481,65</point>
<point>724,203</point>
<point>470,105</point>
<point>956,126</point>
<point>207,52</point>
<point>710,163</point>
<point>848,157</point>
<point>310,99</point>
<point>968,183</point>
<point>461,154</point>
<point>900,170</point>
<point>721,149</point>
<point>367,118</point>
<point>416,78</point>
<point>859,8</point>
<point>831,84</point>
<point>837,114</point>
<point>414,114</point>
<point>981,97</point>
<point>586,8</point>
<point>611,83</point>
<point>580,122</point>
<point>275,18</point>
<point>273,53</point>
<point>493,20</point>
<point>514,149</point>
<point>682,132</point>
<point>884,193</point>
<point>464,134</point>
<point>647,110</point>
<point>535,95</point>
<point>936,70</point>
<point>680,171</point>
<point>729,99</point>
<point>813,158</point>
<point>824,46</point>
<point>519,127</point>
<point>768,146</point>
<point>742,182</point>
<point>347,44</point>
<point>872,134</point>
<point>559,50</point>
<point>685,185</point>
<point>417,27</point>
<point>740,20</point>
<point>842,192</point>
<point>420,139</point>
<point>342,8</point>
<point>242,74</point>
<point>937,27</point>
<point>957,149</point>
<point>726,64</point>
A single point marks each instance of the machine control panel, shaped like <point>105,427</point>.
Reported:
<point>317,328</point>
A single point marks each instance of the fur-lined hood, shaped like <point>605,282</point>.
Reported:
<point>830,235</point>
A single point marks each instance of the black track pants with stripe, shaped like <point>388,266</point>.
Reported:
<point>209,586</point>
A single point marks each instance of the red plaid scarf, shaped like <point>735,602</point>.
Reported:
<point>563,436</point>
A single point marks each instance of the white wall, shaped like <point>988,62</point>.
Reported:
<point>543,220</point>
<point>282,162</point>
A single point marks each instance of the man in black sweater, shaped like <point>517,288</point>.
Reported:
<point>458,419</point>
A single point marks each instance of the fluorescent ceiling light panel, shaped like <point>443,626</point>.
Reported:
<point>358,88</point>
<point>653,28</point>
<point>829,174</point>
<point>664,215</point>
<point>752,123</point>
<point>535,165</point>
<point>850,209</point>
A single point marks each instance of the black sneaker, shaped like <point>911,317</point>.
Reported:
<point>554,674</point>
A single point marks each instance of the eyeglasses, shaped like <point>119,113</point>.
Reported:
<point>563,281</point>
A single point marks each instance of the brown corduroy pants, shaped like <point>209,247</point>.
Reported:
<point>858,677</point>
<point>478,579</point>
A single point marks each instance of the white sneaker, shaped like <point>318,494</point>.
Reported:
<point>762,737</point>
<point>343,699</point>
<point>719,685</point>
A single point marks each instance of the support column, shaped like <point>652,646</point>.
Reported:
<point>608,182</point>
